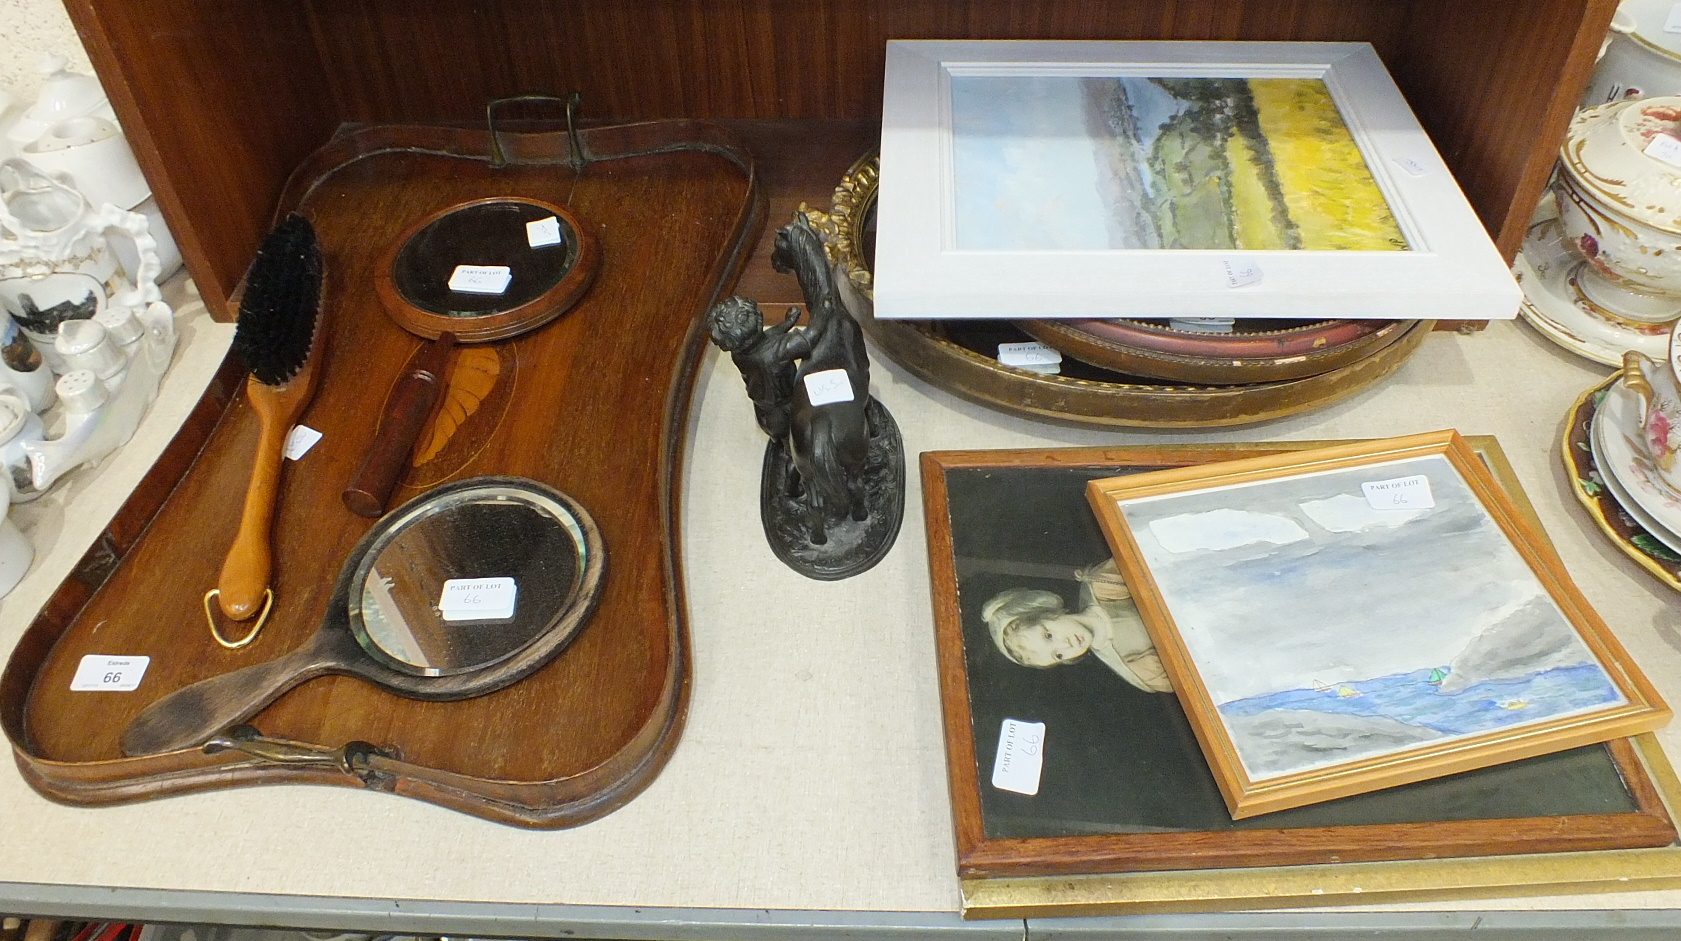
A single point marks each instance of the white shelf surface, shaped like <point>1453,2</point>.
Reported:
<point>808,792</point>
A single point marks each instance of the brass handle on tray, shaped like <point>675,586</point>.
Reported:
<point>351,759</point>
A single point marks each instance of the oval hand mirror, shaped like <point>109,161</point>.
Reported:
<point>483,270</point>
<point>455,594</point>
<point>546,257</point>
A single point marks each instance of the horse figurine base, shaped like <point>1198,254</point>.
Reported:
<point>832,488</point>
<point>849,546</point>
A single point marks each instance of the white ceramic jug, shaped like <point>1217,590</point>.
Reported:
<point>16,553</point>
<point>18,424</point>
<point>22,365</point>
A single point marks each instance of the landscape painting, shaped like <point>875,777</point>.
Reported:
<point>1060,162</point>
<point>1341,615</point>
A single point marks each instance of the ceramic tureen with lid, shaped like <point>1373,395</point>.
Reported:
<point>1619,201</point>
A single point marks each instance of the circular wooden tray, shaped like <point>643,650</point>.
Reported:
<point>946,355</point>
<point>1256,351</point>
<point>959,356</point>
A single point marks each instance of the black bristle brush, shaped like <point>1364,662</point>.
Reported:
<point>278,337</point>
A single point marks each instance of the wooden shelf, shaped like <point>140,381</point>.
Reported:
<point>221,100</point>
<point>800,161</point>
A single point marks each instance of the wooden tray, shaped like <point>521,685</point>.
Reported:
<point>594,404</point>
<point>960,357</point>
<point>1255,351</point>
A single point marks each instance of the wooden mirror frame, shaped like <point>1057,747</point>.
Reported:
<point>502,324</point>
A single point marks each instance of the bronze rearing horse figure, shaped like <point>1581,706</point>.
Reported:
<point>828,440</point>
<point>831,492</point>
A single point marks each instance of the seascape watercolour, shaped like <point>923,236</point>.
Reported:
<point>1060,162</point>
<point>1327,630</point>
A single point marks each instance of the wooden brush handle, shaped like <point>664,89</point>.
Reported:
<point>246,570</point>
<point>410,404</point>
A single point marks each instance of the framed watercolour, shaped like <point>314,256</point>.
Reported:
<point>1122,785</point>
<point>1029,179</point>
<point>1361,616</point>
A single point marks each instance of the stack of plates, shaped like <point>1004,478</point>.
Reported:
<point>1616,478</point>
<point>1553,302</point>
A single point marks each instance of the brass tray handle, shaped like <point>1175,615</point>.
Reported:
<point>575,147</point>
<point>351,759</point>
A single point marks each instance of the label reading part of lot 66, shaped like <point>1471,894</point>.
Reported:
<point>480,279</point>
<point>1030,354</point>
<point>1401,493</point>
<point>478,599</point>
<point>1240,272</point>
<point>1021,756</point>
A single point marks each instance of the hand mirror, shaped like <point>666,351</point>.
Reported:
<point>455,594</point>
<point>483,270</point>
<point>549,262</point>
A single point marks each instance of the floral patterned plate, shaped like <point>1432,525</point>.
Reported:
<point>1630,505</point>
<point>1590,489</point>
<point>1625,455</point>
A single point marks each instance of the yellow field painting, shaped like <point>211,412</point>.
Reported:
<point>1064,162</point>
<point>1331,195</point>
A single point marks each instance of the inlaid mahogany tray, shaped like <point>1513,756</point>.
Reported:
<point>593,404</point>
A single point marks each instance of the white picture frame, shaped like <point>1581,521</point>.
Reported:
<point>1449,269</point>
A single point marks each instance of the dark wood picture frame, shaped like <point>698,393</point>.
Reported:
<point>1134,749</point>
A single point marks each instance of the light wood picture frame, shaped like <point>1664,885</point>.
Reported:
<point>1363,616</point>
<point>1124,786</point>
<point>1021,179</point>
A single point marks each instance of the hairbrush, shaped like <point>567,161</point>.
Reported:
<point>278,337</point>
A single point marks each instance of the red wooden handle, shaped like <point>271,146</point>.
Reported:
<point>410,404</point>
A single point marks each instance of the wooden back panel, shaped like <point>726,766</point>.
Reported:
<point>226,99</point>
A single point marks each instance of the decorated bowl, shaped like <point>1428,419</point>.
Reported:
<point>1619,200</point>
